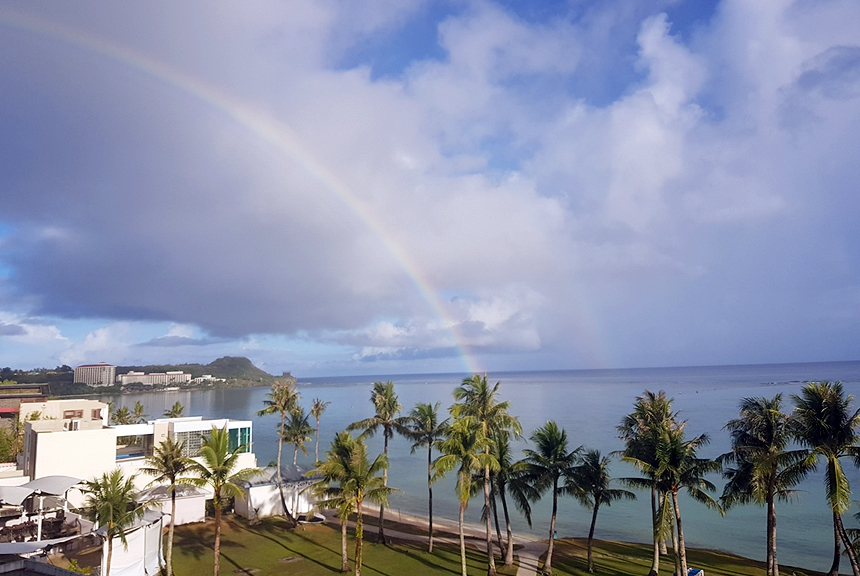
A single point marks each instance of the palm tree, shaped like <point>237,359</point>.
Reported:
<point>317,409</point>
<point>758,468</point>
<point>546,465</point>
<point>217,469</point>
<point>331,497</point>
<point>510,479</point>
<point>824,421</point>
<point>297,431</point>
<point>111,503</point>
<point>640,430</point>
<point>138,416</point>
<point>121,415</point>
<point>425,429</point>
<point>590,483</point>
<point>347,464</point>
<point>478,402</point>
<point>174,411</point>
<point>679,467</point>
<point>387,407</point>
<point>282,399</point>
<point>168,465</point>
<point>464,448</point>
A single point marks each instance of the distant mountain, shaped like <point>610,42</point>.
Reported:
<point>237,368</point>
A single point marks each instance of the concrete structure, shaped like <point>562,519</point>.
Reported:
<point>100,374</point>
<point>71,438</point>
<point>162,378</point>
<point>11,397</point>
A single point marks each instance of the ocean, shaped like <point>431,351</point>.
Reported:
<point>589,404</point>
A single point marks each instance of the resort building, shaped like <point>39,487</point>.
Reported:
<point>70,437</point>
<point>161,378</point>
<point>100,374</point>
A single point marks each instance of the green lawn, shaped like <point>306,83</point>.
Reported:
<point>269,548</point>
<point>624,559</point>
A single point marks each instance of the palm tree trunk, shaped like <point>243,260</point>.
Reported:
<point>655,560</point>
<point>344,559</point>
<point>547,567</point>
<point>491,562</point>
<point>682,550</point>
<point>110,555</point>
<point>317,443</point>
<point>772,566</point>
<point>280,479</point>
<point>381,538</point>
<point>591,534</point>
<point>217,504</point>
<point>675,554</point>
<point>849,549</point>
<point>170,531</point>
<point>462,542</point>
<point>509,554</point>
<point>496,520</point>
<point>295,453</point>
<point>430,493</point>
<point>834,568</point>
<point>359,536</point>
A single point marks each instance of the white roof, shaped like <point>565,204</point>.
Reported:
<point>53,485</point>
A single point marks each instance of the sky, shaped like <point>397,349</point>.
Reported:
<point>385,187</point>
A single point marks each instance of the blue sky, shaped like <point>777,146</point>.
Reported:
<point>392,187</point>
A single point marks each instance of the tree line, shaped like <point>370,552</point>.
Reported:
<point>771,452</point>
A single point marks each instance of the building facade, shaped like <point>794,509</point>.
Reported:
<point>161,378</point>
<point>100,374</point>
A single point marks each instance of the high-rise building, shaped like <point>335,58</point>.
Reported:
<point>100,374</point>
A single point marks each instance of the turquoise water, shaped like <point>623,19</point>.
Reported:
<point>589,404</point>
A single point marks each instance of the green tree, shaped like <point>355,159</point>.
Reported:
<point>121,415</point>
<point>296,431</point>
<point>357,481</point>
<point>679,467</point>
<point>175,411</point>
<point>478,402</point>
<point>168,466</point>
<point>281,399</point>
<point>317,409</point>
<point>110,503</point>
<point>548,463</point>
<point>387,407</point>
<point>590,482</point>
<point>823,420</point>
<point>759,468</point>
<point>425,429</point>
<point>217,469</point>
<point>511,479</point>
<point>138,416</point>
<point>651,419</point>
<point>464,448</point>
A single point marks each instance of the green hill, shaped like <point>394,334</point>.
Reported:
<point>237,370</point>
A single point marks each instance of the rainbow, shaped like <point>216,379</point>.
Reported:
<point>265,127</point>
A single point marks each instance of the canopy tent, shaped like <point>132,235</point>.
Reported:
<point>141,556</point>
<point>53,485</point>
<point>14,495</point>
<point>30,547</point>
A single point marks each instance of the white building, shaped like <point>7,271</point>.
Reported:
<point>70,438</point>
<point>100,374</point>
<point>163,378</point>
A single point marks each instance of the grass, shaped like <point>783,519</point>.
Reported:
<point>624,558</point>
<point>271,548</point>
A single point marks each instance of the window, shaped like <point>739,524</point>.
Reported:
<point>239,437</point>
<point>97,414</point>
<point>72,414</point>
<point>191,441</point>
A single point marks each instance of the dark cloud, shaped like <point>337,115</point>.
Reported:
<point>177,341</point>
<point>11,330</point>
